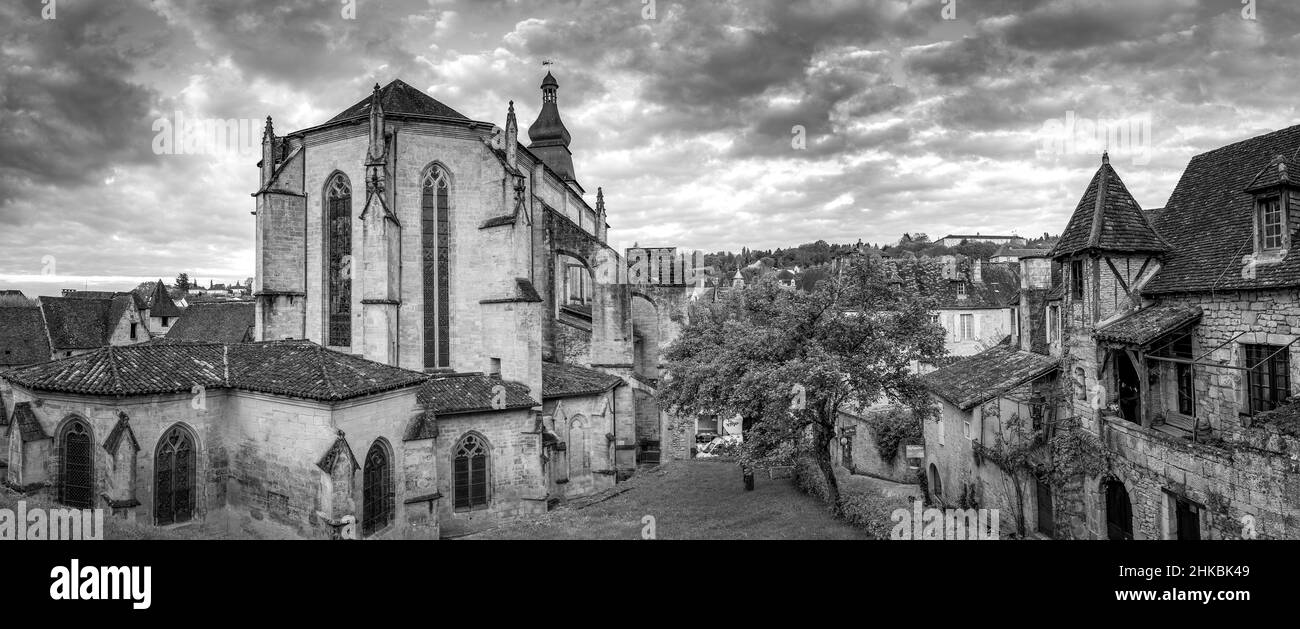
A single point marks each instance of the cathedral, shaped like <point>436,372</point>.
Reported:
<point>444,340</point>
<point>408,234</point>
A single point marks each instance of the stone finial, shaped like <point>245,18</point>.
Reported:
<point>1105,157</point>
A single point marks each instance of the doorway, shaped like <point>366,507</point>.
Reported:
<point>1129,388</point>
<point>1188,517</point>
<point>1119,511</point>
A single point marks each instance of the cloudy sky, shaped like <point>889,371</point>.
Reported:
<point>711,125</point>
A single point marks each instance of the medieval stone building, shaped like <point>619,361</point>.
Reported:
<point>1166,343</point>
<point>443,339</point>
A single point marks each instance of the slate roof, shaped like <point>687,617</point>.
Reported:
<point>24,420</point>
<point>1212,192</point>
<point>1108,218</point>
<point>399,98</point>
<point>452,393</point>
<point>561,380</point>
<point>986,375</point>
<point>292,368</point>
<point>216,322</point>
<point>1148,324</point>
<point>75,323</point>
<point>161,304</point>
<point>22,336</point>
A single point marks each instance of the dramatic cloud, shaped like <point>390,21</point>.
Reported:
<point>710,125</point>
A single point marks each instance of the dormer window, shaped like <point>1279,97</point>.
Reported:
<point>1272,224</point>
<point>962,291</point>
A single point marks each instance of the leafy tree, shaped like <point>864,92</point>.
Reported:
<point>183,282</point>
<point>786,361</point>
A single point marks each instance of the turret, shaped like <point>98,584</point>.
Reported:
<point>550,139</point>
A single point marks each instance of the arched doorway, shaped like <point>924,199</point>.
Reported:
<point>76,465</point>
<point>174,477</point>
<point>1119,511</point>
<point>936,484</point>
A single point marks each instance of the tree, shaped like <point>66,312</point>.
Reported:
<point>786,361</point>
<point>183,282</point>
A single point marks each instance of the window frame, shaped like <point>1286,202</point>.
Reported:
<point>964,332</point>
<point>1272,363</point>
<point>1262,210</point>
<point>468,448</point>
<point>1076,279</point>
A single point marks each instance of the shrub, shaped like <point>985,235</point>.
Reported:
<point>871,511</point>
<point>892,429</point>
<point>808,478</point>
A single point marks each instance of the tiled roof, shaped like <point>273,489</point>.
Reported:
<point>1148,324</point>
<point>1212,192</point>
<point>398,98</point>
<point>986,375</point>
<point>292,368</point>
<point>24,420</point>
<point>560,380</point>
<point>1282,171</point>
<point>451,393</point>
<point>1109,219</point>
<point>22,336</point>
<point>161,304</point>
<point>78,323</point>
<point>216,322</point>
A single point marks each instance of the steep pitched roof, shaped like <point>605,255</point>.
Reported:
<point>399,98</point>
<point>1212,192</point>
<point>216,322</point>
<point>1108,218</point>
<point>77,323</point>
<point>986,375</point>
<point>22,336</point>
<point>292,368</point>
<point>161,304</point>
<point>451,393</point>
<point>561,380</point>
<point>120,434</point>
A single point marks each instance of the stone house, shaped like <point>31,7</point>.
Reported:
<point>1176,350</point>
<point>78,323</point>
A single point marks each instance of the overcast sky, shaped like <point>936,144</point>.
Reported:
<point>714,125</point>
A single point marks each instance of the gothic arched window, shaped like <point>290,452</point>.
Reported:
<point>579,459</point>
<point>435,235</point>
<point>471,473</point>
<point>76,465</point>
<point>174,477</point>
<point>377,496</point>
<point>338,222</point>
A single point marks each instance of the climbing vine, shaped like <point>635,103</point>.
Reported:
<point>893,429</point>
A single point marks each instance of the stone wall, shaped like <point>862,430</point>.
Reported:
<point>518,483</point>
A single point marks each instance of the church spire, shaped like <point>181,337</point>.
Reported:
<point>550,139</point>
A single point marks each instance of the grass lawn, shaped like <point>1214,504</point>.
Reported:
<point>697,499</point>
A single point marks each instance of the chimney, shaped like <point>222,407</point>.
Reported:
<point>977,271</point>
<point>512,135</point>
